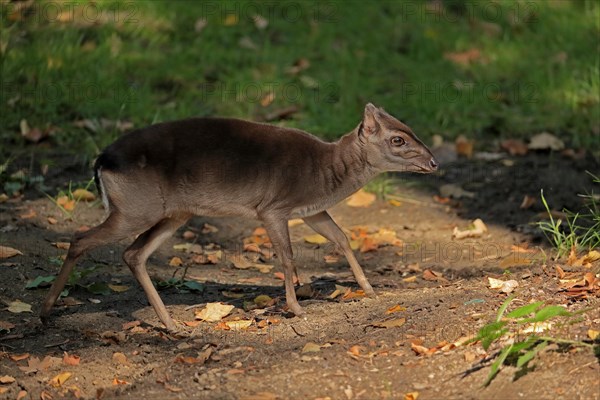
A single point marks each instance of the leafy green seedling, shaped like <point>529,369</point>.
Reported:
<point>522,349</point>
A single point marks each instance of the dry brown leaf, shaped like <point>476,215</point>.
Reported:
<point>430,275</point>
<point>422,350</point>
<point>464,146</point>
<point>52,220</point>
<point>515,260</point>
<point>66,203</point>
<point>361,199</point>
<point>411,396</point>
<point>261,396</point>
<point>514,147</point>
<point>395,309</point>
<point>409,279</point>
<point>18,306</point>
<point>356,350</point>
<point>176,262</point>
<point>545,141</point>
<point>528,202</point>
<point>311,347</point>
<point>120,358</point>
<point>477,229</point>
<point>350,295</point>
<point>7,379</point>
<point>6,326</point>
<point>391,323</point>
<point>62,245</point>
<point>240,261</point>
<point>7,252</point>
<point>239,325</point>
<point>188,235</point>
<point>59,379</point>
<point>191,324</point>
<point>118,288</point>
<point>394,202</point>
<point>214,312</point>
<point>83,195</point>
<point>281,276</point>
<point>70,359</point>
<point>464,58</point>
<point>3,389</point>
<point>331,259</point>
<point>117,381</point>
<point>368,244</point>
<point>187,360</point>
<point>19,357</point>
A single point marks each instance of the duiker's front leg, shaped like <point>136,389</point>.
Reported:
<point>277,228</point>
<point>323,224</point>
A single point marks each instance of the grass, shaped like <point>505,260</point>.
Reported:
<point>581,230</point>
<point>533,66</point>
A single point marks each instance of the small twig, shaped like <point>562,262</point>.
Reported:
<point>583,366</point>
<point>57,344</point>
<point>194,306</point>
<point>565,341</point>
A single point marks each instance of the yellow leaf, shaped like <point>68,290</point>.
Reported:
<point>495,283</point>
<point>394,202</point>
<point>118,288</point>
<point>59,379</point>
<point>394,309</point>
<point>18,306</point>
<point>593,334</point>
<point>7,252</point>
<point>294,222</point>
<point>239,325</point>
<point>315,239</point>
<point>83,195</point>
<point>175,262</point>
<point>230,20</point>
<point>311,347</point>
<point>361,199</point>
<point>213,312</point>
<point>411,396</point>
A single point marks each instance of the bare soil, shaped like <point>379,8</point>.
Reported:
<point>357,359</point>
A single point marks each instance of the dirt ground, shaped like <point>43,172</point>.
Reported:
<point>349,355</point>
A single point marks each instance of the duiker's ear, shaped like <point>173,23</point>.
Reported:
<point>370,123</point>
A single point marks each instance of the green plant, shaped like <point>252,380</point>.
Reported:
<point>67,200</point>
<point>582,230</point>
<point>382,186</point>
<point>522,345</point>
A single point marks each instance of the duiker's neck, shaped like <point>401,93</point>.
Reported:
<point>349,168</point>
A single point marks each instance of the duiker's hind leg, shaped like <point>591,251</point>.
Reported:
<point>113,229</point>
<point>137,254</point>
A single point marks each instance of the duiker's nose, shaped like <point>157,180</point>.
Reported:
<point>433,164</point>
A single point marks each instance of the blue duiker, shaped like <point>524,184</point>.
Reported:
<point>154,179</point>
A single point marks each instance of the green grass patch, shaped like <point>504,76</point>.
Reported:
<point>486,69</point>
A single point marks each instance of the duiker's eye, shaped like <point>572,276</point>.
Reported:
<point>398,141</point>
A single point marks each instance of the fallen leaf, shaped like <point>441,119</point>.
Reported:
<point>361,199</point>
<point>368,244</point>
<point>240,261</point>
<point>395,309</point>
<point>118,288</point>
<point>214,312</point>
<point>3,390</point>
<point>464,146</point>
<point>18,306</point>
<point>59,379</point>
<point>514,147</point>
<point>231,19</point>
<point>394,202</point>
<point>52,220</point>
<point>263,300</point>
<point>463,58</point>
<point>411,396</point>
<point>545,141</point>
<point>430,275</point>
<point>239,325</point>
<point>330,259</point>
<point>19,357</point>
<point>315,239</point>
<point>454,191</point>
<point>69,359</point>
<point>593,334</point>
<point>311,347</point>
<point>495,283</point>
<point>188,235</point>
<point>120,358</point>
<point>391,323</point>
<point>176,262</point>
<point>117,381</point>
<point>260,22</point>
<point>62,245</point>
<point>409,279</point>
<point>66,203</point>
<point>477,229</point>
<point>528,202</point>
<point>422,350</point>
<point>33,135</point>
<point>28,215</point>
<point>6,326</point>
<point>83,195</point>
<point>7,252</point>
<point>7,379</point>
<point>349,295</point>
<point>187,360</point>
<point>281,276</point>
<point>191,324</point>
<point>356,350</point>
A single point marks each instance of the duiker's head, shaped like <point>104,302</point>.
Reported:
<point>392,146</point>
